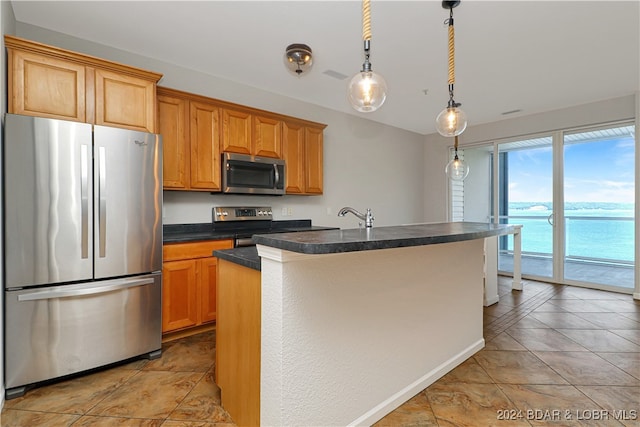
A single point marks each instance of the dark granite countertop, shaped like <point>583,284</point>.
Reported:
<point>246,256</point>
<point>182,233</point>
<point>179,233</point>
<point>362,239</point>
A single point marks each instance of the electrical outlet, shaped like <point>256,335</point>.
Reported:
<point>284,211</point>
<point>289,211</point>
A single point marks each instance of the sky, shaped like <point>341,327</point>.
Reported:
<point>601,171</point>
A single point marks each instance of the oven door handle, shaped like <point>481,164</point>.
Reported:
<point>244,241</point>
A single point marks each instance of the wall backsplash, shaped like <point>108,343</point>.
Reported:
<point>183,207</point>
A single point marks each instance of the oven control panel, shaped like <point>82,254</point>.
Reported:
<point>241,213</point>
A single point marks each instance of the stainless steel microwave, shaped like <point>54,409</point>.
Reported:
<point>243,174</point>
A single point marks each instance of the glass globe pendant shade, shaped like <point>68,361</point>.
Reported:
<point>451,121</point>
<point>367,91</point>
<point>456,169</point>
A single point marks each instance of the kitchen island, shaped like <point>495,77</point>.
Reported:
<point>356,322</point>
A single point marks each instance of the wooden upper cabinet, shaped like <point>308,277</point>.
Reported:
<point>205,151</point>
<point>46,87</point>
<point>303,154</point>
<point>313,160</point>
<point>293,155</point>
<point>48,81</point>
<point>125,101</point>
<point>249,133</point>
<point>236,131</point>
<point>196,130</point>
<point>267,137</point>
<point>173,125</point>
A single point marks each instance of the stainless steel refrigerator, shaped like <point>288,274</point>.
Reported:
<point>83,248</point>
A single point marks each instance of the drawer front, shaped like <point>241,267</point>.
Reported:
<point>178,251</point>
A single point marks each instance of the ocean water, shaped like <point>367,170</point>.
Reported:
<point>593,230</point>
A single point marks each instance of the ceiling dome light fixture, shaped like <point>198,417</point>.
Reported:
<point>452,121</point>
<point>298,58</point>
<point>456,169</point>
<point>367,90</point>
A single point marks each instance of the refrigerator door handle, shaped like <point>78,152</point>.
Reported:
<point>104,287</point>
<point>102,196</point>
<point>84,196</point>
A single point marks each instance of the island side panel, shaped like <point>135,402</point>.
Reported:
<point>346,338</point>
<point>238,342</point>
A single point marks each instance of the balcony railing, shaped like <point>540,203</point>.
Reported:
<point>595,247</point>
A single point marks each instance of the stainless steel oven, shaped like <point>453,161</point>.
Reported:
<point>243,174</point>
<point>244,222</point>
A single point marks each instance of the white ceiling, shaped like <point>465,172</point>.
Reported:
<point>510,55</point>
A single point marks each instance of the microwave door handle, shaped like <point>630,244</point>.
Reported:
<point>275,169</point>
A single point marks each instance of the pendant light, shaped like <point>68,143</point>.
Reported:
<point>367,90</point>
<point>456,169</point>
<point>452,121</point>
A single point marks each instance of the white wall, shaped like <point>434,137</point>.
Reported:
<point>7,26</point>
<point>366,165</point>
<point>477,190</point>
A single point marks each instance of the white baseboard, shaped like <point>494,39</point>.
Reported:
<point>397,399</point>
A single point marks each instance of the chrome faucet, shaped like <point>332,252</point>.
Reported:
<point>367,218</point>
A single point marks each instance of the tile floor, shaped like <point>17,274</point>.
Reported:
<point>554,355</point>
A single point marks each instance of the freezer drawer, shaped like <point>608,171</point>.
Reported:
<point>61,330</point>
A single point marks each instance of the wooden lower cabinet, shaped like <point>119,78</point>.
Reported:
<point>207,268</point>
<point>179,294</point>
<point>238,342</point>
<point>189,281</point>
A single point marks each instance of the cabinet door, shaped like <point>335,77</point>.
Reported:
<point>173,121</point>
<point>179,294</point>
<point>205,148</point>
<point>46,87</point>
<point>293,155</point>
<point>236,131</point>
<point>124,101</point>
<point>207,281</point>
<point>313,160</point>
<point>267,137</point>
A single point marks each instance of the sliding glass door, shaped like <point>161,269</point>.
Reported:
<point>573,192</point>
<point>525,196</point>
<point>598,210</point>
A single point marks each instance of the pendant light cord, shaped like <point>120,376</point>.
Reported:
<point>366,20</point>
<point>455,147</point>
<point>452,50</point>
